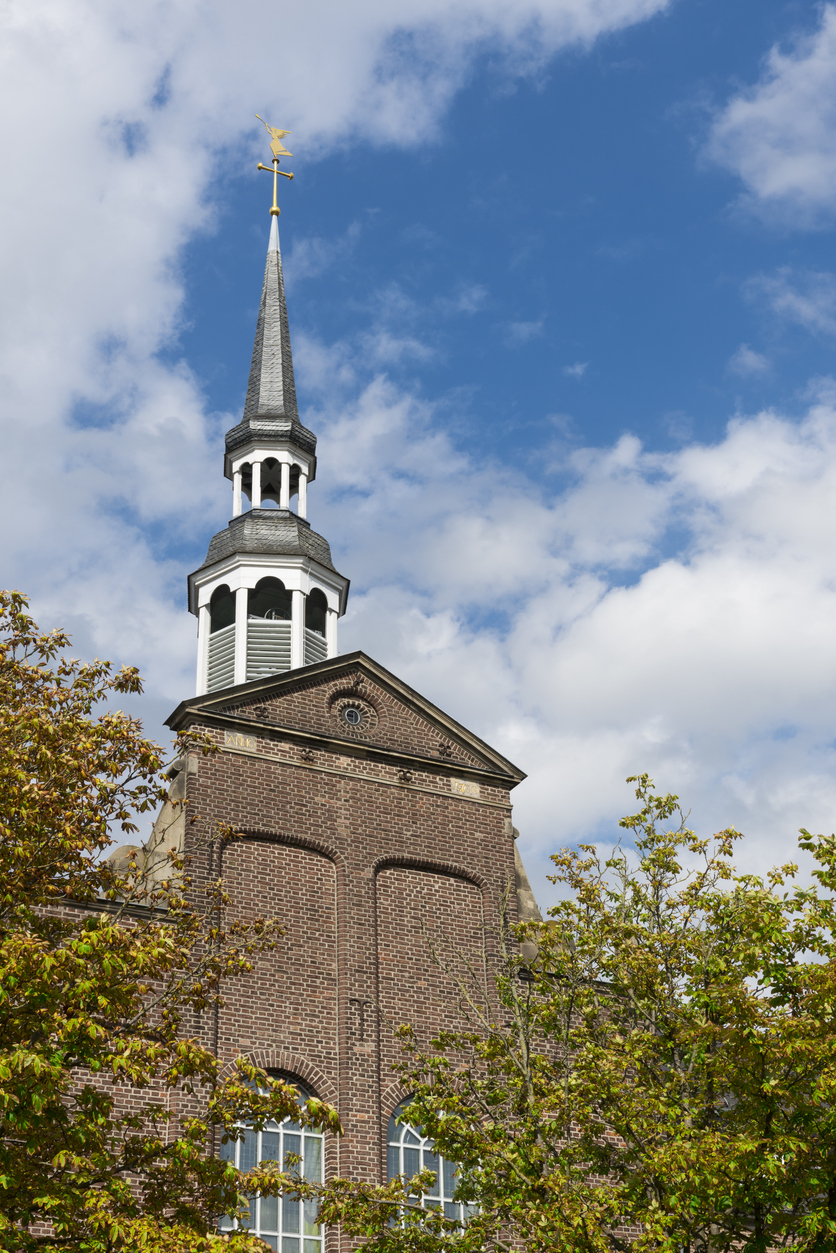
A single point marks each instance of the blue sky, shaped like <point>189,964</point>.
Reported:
<point>563,309</point>
<point>572,218</point>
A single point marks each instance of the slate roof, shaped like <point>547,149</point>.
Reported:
<point>271,392</point>
<point>274,531</point>
<point>270,408</point>
<point>264,429</point>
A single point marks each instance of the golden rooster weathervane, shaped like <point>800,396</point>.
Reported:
<point>278,150</point>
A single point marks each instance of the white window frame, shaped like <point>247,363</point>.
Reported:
<point>408,1150</point>
<point>284,1223</point>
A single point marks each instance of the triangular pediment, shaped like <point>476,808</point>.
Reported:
<point>388,716</point>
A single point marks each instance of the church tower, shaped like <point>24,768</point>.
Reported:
<point>267,597</point>
<point>366,818</point>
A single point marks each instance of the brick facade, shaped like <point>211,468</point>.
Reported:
<point>368,842</point>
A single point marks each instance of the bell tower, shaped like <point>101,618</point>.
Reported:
<point>367,819</point>
<point>267,597</point>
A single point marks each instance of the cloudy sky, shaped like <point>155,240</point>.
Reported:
<point>563,307</point>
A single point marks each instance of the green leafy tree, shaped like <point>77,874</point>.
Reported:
<point>111,1109</point>
<point>655,1068</point>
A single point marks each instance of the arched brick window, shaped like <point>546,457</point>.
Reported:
<point>408,1150</point>
<point>284,1223</point>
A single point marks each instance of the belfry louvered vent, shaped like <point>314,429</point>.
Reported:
<point>315,647</point>
<point>268,647</point>
<point>221,658</point>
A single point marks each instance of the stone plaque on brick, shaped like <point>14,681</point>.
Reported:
<point>235,739</point>
<point>465,787</point>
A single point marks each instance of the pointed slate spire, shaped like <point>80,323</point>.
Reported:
<point>267,559</point>
<point>271,391</point>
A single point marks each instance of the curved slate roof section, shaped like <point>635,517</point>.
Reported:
<point>274,532</point>
<point>271,428</point>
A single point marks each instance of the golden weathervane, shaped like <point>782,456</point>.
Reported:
<point>278,150</point>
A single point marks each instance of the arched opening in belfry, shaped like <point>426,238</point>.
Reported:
<point>221,609</point>
<point>316,610</point>
<point>271,481</point>
<point>247,480</point>
<point>295,470</point>
<point>269,599</point>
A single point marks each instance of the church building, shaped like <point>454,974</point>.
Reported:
<point>370,822</point>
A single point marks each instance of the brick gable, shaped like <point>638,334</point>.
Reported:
<point>395,719</point>
<point>316,705</point>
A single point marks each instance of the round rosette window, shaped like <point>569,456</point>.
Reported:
<point>354,714</point>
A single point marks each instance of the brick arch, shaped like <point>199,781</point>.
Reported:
<point>354,685</point>
<point>296,1067</point>
<point>390,1099</point>
<point>295,841</point>
<point>450,868</point>
<point>293,1066</point>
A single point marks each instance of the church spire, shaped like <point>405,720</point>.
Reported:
<point>271,392</point>
<point>267,597</point>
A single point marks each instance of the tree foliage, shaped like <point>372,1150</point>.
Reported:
<point>660,1076</point>
<point>111,1108</point>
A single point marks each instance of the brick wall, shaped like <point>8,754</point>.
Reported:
<point>366,845</point>
<point>313,706</point>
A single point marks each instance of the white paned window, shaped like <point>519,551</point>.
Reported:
<point>284,1223</point>
<point>408,1151</point>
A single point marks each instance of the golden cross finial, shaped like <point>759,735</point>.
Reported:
<point>278,149</point>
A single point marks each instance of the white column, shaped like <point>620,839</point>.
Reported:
<point>297,629</point>
<point>203,625</point>
<point>256,488</point>
<point>302,507</point>
<point>284,492</point>
<point>240,672</point>
<point>331,632</point>
<point>236,493</point>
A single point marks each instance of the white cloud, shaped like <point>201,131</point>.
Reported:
<point>469,298</point>
<point>576,371</point>
<point>806,298</point>
<point>522,332</point>
<point>678,425</point>
<point>779,136</point>
<point>566,626</point>
<point>312,256</point>
<point>384,348</point>
<point>748,363</point>
<point>568,631</point>
<point>117,120</point>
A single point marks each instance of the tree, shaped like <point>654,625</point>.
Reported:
<point>111,1109</point>
<point>655,1069</point>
